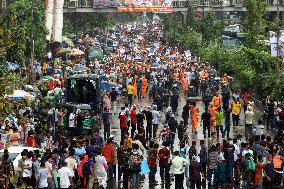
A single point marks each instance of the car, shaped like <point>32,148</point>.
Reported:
<point>15,154</point>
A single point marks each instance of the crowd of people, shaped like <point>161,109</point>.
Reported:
<point>149,81</point>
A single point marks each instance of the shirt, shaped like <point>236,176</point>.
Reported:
<point>130,90</point>
<point>164,155</point>
<point>27,172</point>
<point>249,117</point>
<point>212,160</point>
<point>72,120</point>
<point>178,165</point>
<point>219,118</point>
<point>64,173</point>
<point>42,174</point>
<point>71,164</point>
<point>108,151</point>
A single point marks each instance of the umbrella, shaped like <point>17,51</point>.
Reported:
<point>47,78</point>
<point>68,41</point>
<point>10,65</point>
<point>76,52</point>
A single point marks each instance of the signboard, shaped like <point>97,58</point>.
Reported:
<point>105,4</point>
<point>162,6</point>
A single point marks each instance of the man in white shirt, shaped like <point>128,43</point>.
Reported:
<point>27,169</point>
<point>42,175</point>
<point>249,115</point>
<point>178,168</point>
<point>72,117</point>
<point>237,153</point>
<point>71,162</point>
<point>65,177</point>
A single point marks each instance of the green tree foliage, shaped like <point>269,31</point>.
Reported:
<point>22,19</point>
<point>255,23</point>
<point>85,21</point>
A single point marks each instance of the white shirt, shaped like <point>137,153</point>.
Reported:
<point>28,172</point>
<point>249,117</point>
<point>64,173</point>
<point>42,174</point>
<point>247,151</point>
<point>72,120</point>
<point>71,164</point>
<point>156,117</point>
<point>236,152</point>
<point>178,165</point>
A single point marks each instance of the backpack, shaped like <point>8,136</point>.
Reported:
<point>86,169</point>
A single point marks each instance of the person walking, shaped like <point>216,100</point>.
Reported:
<point>130,92</point>
<point>123,124</point>
<point>164,155</point>
<point>152,162</point>
<point>219,122</point>
<point>249,115</point>
<point>133,119</point>
<point>177,168</point>
<point>106,123</point>
<point>206,117</point>
<point>108,152</point>
<point>194,115</point>
<point>156,120</point>
<point>196,173</point>
<point>212,165</point>
<point>65,177</point>
<point>134,166</point>
<point>236,111</point>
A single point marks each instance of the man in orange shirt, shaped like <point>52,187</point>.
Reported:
<point>217,100</point>
<point>108,152</point>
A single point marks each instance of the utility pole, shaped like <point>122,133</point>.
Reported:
<point>277,68</point>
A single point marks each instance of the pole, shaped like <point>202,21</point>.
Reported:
<point>277,67</point>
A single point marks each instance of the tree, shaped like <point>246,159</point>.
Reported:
<point>22,19</point>
<point>85,21</point>
<point>255,23</point>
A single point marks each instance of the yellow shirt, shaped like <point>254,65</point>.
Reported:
<point>236,108</point>
<point>130,89</point>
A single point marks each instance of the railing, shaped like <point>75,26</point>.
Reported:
<point>179,3</point>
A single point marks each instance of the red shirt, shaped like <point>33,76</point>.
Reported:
<point>164,155</point>
<point>153,161</point>
<point>31,141</point>
<point>108,151</point>
<point>133,116</point>
<point>123,121</point>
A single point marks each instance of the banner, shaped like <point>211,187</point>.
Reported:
<point>162,6</point>
<point>105,4</point>
<point>273,43</point>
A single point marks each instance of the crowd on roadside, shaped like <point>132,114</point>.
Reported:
<point>140,69</point>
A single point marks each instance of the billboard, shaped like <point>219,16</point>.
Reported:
<point>162,6</point>
<point>105,4</point>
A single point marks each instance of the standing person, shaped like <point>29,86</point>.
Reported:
<point>269,173</point>
<point>249,115</point>
<point>106,123</point>
<point>195,172</point>
<point>113,98</point>
<point>50,178</point>
<point>133,119</point>
<point>227,114</point>
<point>164,155</point>
<point>205,117</point>
<point>217,100</point>
<point>178,168</point>
<point>184,86</point>
<point>144,86</point>
<point>91,171</point>
<point>65,177</point>
<point>221,171</point>
<point>155,120</point>
<point>71,162</point>
<point>123,124</point>
<point>108,152</point>
<point>219,122</point>
<point>42,176</point>
<point>130,92</point>
<point>237,159</point>
<point>102,169</point>
<point>149,117</point>
<point>194,115</point>
<point>27,170</point>
<point>245,170</point>
<point>152,162</point>
<point>140,120</point>
<point>236,111</point>
<point>135,166</point>
<point>119,152</point>
<point>185,113</point>
<point>72,126</point>
<point>258,173</point>
<point>203,156</point>
<point>212,164</point>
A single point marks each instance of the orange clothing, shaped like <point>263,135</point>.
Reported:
<point>258,173</point>
<point>216,101</point>
<point>194,115</point>
<point>144,86</point>
<point>212,111</point>
<point>108,151</point>
<point>135,85</point>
